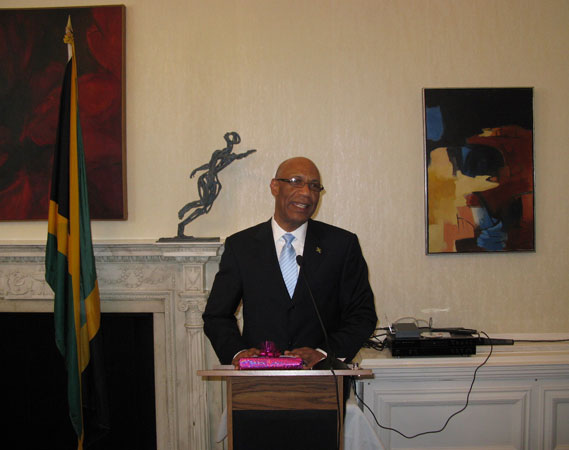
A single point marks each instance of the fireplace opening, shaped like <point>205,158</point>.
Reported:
<point>34,383</point>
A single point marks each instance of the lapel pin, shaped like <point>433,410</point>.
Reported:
<point>318,250</point>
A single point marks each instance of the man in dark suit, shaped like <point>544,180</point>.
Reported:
<point>249,271</point>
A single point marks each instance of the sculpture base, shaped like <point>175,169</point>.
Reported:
<point>188,239</point>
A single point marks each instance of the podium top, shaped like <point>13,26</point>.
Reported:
<point>230,371</point>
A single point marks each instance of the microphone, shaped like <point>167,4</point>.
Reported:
<point>330,362</point>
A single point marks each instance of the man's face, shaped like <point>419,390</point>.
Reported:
<point>294,205</point>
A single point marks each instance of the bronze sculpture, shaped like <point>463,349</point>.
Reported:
<point>209,185</point>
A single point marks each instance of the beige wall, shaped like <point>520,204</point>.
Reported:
<point>340,82</point>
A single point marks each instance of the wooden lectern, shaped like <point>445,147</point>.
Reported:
<point>258,401</point>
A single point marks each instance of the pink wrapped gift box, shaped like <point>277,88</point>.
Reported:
<point>268,362</point>
<point>270,358</point>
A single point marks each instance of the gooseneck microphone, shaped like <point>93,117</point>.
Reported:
<point>330,362</point>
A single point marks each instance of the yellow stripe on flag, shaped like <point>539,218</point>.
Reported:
<point>93,310</point>
<point>58,226</point>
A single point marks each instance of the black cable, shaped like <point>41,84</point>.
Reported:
<point>450,417</point>
<point>374,342</point>
<point>330,355</point>
<point>378,346</point>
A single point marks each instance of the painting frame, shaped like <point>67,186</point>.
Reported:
<point>479,170</point>
<point>32,65</point>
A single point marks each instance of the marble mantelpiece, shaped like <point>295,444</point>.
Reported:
<point>169,280</point>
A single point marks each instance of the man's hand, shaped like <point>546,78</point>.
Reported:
<point>245,354</point>
<point>308,355</point>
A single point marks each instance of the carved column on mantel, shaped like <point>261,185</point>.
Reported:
<point>170,280</point>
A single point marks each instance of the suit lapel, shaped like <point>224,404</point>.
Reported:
<point>266,249</point>
<point>313,250</point>
<point>311,260</point>
<point>269,259</point>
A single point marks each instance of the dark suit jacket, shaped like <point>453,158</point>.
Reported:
<point>249,270</point>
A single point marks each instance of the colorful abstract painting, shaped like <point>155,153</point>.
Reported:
<point>479,170</point>
<point>32,62</point>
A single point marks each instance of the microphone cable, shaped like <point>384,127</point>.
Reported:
<point>449,418</point>
<point>330,356</point>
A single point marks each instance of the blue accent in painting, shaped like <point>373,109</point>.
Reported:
<point>465,170</point>
<point>435,126</point>
<point>491,237</point>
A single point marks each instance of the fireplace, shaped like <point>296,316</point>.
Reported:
<point>169,281</point>
<point>34,381</point>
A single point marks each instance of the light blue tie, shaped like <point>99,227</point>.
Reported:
<point>287,261</point>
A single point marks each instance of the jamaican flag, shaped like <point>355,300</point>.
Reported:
<point>70,268</point>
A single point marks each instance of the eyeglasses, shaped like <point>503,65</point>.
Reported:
<point>299,183</point>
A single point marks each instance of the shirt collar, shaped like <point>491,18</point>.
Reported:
<point>299,233</point>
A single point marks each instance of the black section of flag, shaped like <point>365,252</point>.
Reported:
<point>60,174</point>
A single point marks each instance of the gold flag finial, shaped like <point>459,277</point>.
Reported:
<point>68,38</point>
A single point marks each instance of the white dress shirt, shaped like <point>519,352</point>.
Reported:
<point>297,243</point>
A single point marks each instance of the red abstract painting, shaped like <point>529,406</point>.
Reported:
<point>32,63</point>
